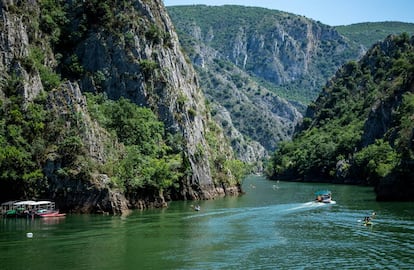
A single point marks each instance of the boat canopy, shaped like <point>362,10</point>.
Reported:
<point>322,192</point>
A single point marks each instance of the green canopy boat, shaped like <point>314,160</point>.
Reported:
<point>323,196</point>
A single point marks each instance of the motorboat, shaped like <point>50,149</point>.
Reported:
<point>49,213</point>
<point>324,196</point>
<point>52,215</point>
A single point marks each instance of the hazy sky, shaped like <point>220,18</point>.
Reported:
<point>331,12</point>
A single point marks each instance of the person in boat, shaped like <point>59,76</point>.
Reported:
<point>367,220</point>
<point>323,196</point>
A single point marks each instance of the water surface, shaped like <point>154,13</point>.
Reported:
<point>273,226</point>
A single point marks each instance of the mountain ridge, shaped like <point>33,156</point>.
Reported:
<point>276,81</point>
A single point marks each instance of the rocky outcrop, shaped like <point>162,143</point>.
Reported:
<point>283,49</point>
<point>14,46</point>
<point>253,117</point>
<point>87,194</point>
<point>134,53</point>
<point>151,70</point>
<point>79,190</point>
<point>249,151</point>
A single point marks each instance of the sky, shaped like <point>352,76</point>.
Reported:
<point>330,12</point>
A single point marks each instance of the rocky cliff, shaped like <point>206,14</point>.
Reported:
<point>53,51</point>
<point>263,66</point>
<point>253,117</point>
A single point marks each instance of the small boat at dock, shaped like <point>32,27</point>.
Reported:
<point>52,215</point>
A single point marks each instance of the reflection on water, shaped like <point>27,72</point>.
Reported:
<point>271,227</point>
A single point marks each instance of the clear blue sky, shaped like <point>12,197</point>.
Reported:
<point>331,12</point>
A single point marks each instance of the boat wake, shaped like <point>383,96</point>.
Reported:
<point>271,210</point>
<point>308,206</point>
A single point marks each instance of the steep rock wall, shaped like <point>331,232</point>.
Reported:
<point>86,194</point>
<point>140,60</point>
<point>151,70</point>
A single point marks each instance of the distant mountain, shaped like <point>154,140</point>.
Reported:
<point>370,33</point>
<point>260,66</point>
<point>361,128</point>
<point>292,54</point>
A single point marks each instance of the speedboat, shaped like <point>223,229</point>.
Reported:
<point>324,196</point>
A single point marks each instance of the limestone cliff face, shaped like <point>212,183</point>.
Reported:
<point>145,64</point>
<point>246,108</point>
<point>89,193</point>
<point>14,45</point>
<point>81,191</point>
<point>261,65</point>
<point>136,56</point>
<point>283,49</point>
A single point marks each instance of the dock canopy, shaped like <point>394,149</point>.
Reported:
<point>27,205</point>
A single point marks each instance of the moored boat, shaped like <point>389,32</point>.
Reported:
<point>30,209</point>
<point>52,215</point>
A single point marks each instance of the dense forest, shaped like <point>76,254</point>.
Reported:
<point>361,128</point>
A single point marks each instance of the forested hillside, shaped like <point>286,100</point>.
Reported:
<point>361,128</point>
<point>370,33</point>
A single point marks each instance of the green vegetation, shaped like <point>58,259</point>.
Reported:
<point>150,161</point>
<point>52,18</point>
<point>49,78</point>
<point>153,159</point>
<point>225,170</point>
<point>22,143</point>
<point>370,33</point>
<point>361,126</point>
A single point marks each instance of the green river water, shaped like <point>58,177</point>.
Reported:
<point>273,226</point>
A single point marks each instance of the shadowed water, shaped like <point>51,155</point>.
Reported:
<point>273,226</point>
